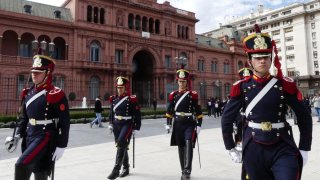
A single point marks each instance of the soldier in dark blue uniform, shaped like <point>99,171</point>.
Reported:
<point>269,150</point>
<point>43,124</point>
<point>183,106</point>
<point>125,119</point>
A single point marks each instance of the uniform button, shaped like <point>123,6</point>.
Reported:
<point>275,86</point>
<point>250,113</point>
<point>44,128</point>
<point>281,97</point>
<point>246,98</point>
<point>249,88</point>
<point>253,86</point>
<point>278,134</point>
<point>244,90</point>
<point>280,88</point>
<point>279,113</point>
<point>281,105</point>
<point>253,133</point>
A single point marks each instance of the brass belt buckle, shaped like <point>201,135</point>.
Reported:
<point>182,114</point>
<point>32,121</point>
<point>266,126</point>
<point>120,118</point>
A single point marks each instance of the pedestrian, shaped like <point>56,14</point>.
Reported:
<point>183,106</point>
<point>209,106</point>
<point>43,123</point>
<point>316,105</point>
<point>125,120</point>
<point>269,150</point>
<point>98,110</point>
<point>154,103</point>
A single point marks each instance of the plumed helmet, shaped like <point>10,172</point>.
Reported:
<point>182,74</point>
<point>258,44</point>
<point>42,63</point>
<point>122,81</point>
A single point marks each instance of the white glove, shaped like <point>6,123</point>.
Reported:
<point>236,156</point>
<point>11,143</point>
<point>58,153</point>
<point>134,132</point>
<point>239,147</point>
<point>304,155</point>
<point>110,127</point>
<point>167,127</point>
<point>198,128</point>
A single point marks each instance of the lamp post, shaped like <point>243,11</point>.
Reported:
<point>43,46</point>
<point>181,61</point>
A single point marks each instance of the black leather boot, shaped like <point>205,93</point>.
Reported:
<point>181,157</point>
<point>41,175</point>
<point>188,161</point>
<point>125,170</point>
<point>119,159</point>
<point>22,172</point>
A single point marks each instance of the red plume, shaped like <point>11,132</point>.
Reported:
<point>257,28</point>
<point>276,61</point>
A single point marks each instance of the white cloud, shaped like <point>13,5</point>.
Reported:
<point>211,12</point>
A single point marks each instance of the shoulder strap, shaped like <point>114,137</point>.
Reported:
<point>260,95</point>
<point>123,99</point>
<point>35,97</point>
<point>179,101</point>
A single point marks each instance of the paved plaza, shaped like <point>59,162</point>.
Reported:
<point>156,160</point>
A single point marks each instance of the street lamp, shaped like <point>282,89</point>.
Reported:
<point>43,46</point>
<point>181,61</point>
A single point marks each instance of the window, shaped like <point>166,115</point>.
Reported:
<point>312,16</point>
<point>20,84</point>
<point>25,50</point>
<point>167,61</point>
<point>279,49</point>
<point>263,19</point>
<point>286,12</point>
<point>314,44</point>
<point>287,30</point>
<point>253,22</point>
<point>316,72</point>
<point>315,63</point>
<point>311,6</point>
<point>313,26</point>
<point>214,67</point>
<point>89,13</point>
<point>227,88</point>
<point>313,35</point>
<point>243,25</point>
<point>290,48</point>
<point>290,57</point>
<point>274,33</point>
<point>119,56</point>
<point>200,65</point>
<point>315,54</point>
<point>94,86</point>
<point>288,39</point>
<point>277,41</point>
<point>274,16</point>
<point>289,21</point>
<point>58,81</point>
<point>226,68</point>
<point>94,52</point>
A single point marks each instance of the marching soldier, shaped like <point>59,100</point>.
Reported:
<point>43,124</point>
<point>183,106</point>
<point>269,150</point>
<point>125,119</point>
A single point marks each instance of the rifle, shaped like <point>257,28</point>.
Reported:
<point>198,150</point>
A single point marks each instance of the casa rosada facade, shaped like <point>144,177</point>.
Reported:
<point>96,41</point>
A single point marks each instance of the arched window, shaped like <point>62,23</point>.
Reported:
<point>226,68</point>
<point>187,32</point>
<point>102,12</point>
<point>94,86</point>
<point>138,23</point>
<point>151,25</point>
<point>144,23</point>
<point>94,52</point>
<point>95,14</point>
<point>178,31</point>
<point>157,26</point>
<point>182,32</point>
<point>130,21</point>
<point>227,88</point>
<point>89,14</point>
<point>214,66</point>
<point>58,81</point>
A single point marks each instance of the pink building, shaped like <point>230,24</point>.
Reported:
<point>97,40</point>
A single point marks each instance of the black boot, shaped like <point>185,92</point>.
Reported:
<point>125,170</point>
<point>41,175</point>
<point>22,172</point>
<point>181,157</point>
<point>188,161</point>
<point>119,159</point>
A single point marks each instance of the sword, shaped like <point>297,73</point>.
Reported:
<point>133,141</point>
<point>198,149</point>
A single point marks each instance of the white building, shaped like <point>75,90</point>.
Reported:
<point>296,31</point>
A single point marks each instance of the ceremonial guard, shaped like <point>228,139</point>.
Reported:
<point>184,110</point>
<point>269,150</point>
<point>43,124</point>
<point>125,119</point>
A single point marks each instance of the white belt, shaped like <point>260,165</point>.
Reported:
<point>122,117</point>
<point>183,114</point>
<point>34,122</point>
<point>266,126</point>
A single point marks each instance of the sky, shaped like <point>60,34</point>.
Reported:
<point>212,12</point>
